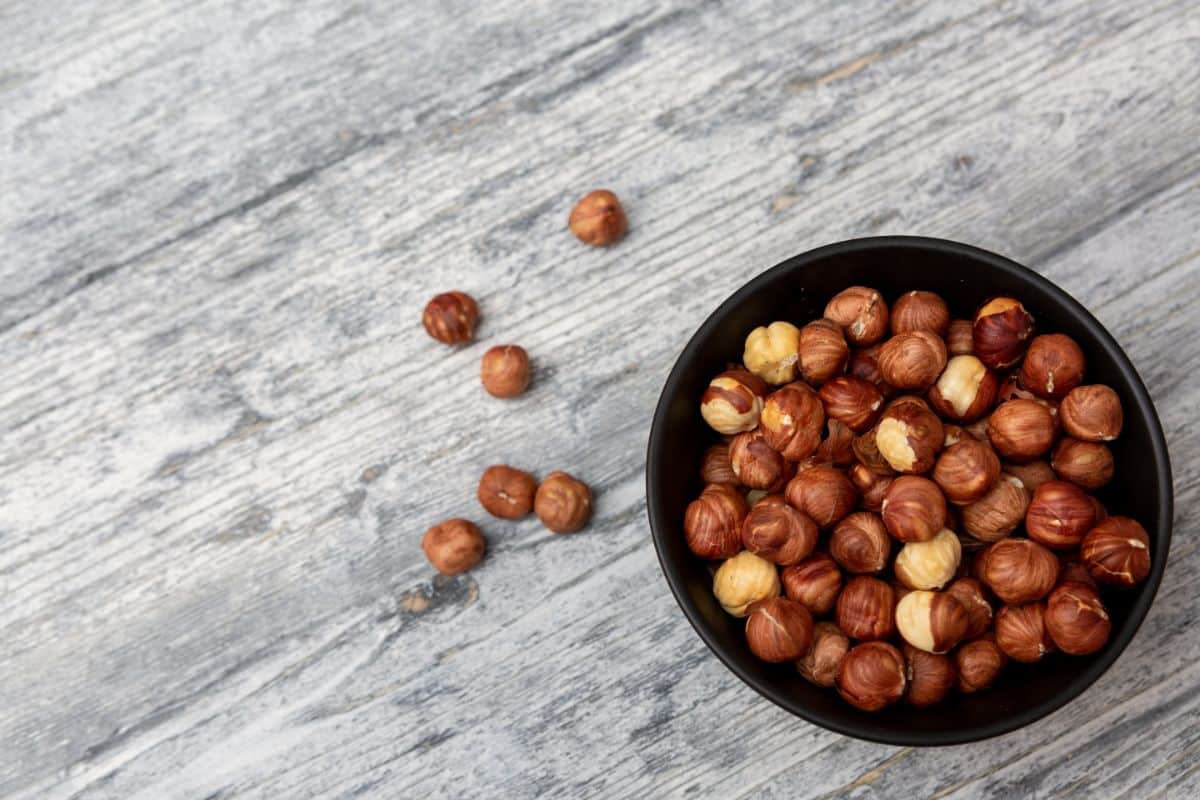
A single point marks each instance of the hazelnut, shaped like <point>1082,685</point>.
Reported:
<point>1053,366</point>
<point>1001,329</point>
<point>979,663</point>
<point>773,353</point>
<point>861,313</point>
<point>744,580</point>
<point>909,437</point>
<point>1033,474</point>
<point>815,582</point>
<point>912,360</point>
<point>920,311</point>
<point>929,565</point>
<point>1019,571</point>
<point>777,532</point>
<point>1059,515</point>
<point>865,364</point>
<point>959,339</point>
<point>504,371</point>
<point>872,676</point>
<point>792,420</point>
<point>824,493</point>
<point>453,546</point>
<point>823,351</point>
<point>712,524</point>
<point>451,317</point>
<point>999,512</point>
<point>969,592</point>
<point>779,629</point>
<point>837,447</point>
<point>506,492</point>
<point>913,509</point>
<point>1092,413</point>
<point>1021,632</point>
<point>598,219</point>
<point>1117,552</point>
<point>1072,570</point>
<point>1076,619</point>
<point>1021,430</point>
<point>930,677</point>
<point>852,401</point>
<point>966,471</point>
<point>1085,464</point>
<point>931,621</point>
<point>872,487</point>
<point>860,543</point>
<point>715,466</point>
<point>865,609</point>
<point>829,646</point>
<point>733,401</point>
<point>757,464</point>
<point>563,503</point>
<point>965,390</point>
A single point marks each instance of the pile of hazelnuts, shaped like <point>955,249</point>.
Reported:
<point>924,494</point>
<point>562,502</point>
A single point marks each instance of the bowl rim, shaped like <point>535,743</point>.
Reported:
<point>655,457</point>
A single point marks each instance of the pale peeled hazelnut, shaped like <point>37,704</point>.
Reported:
<point>872,487</point>
<point>930,677</point>
<point>563,503</point>
<point>861,313</point>
<point>837,447</point>
<point>1019,571</point>
<point>959,339</point>
<point>505,370</point>
<point>1001,331</point>
<point>999,512</point>
<point>865,609</point>
<point>852,401</point>
<point>1092,413</point>
<point>1053,366</point>
<point>451,317</point>
<point>872,676</point>
<point>909,437</point>
<point>777,532</point>
<point>969,592</point>
<point>815,582</point>
<point>598,219</point>
<point>966,471</point>
<point>1117,552</point>
<point>773,352</point>
<point>744,580</point>
<point>823,351</point>
<point>1085,464</point>
<point>733,401</point>
<point>979,663</point>
<point>824,493</point>
<point>920,311</point>
<point>931,621</point>
<point>757,464</point>
<point>712,523</point>
<point>965,390</point>
<point>453,546</point>
<point>860,543</point>
<point>715,466</point>
<point>1021,430</point>
<point>778,630</point>
<point>792,420</point>
<point>912,360</point>
<point>829,646</point>
<point>929,565</point>
<point>913,509</point>
<point>864,363</point>
<point>1021,632</point>
<point>1033,474</point>
<point>1076,619</point>
<point>1059,515</point>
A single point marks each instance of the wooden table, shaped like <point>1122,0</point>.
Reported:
<point>224,431</point>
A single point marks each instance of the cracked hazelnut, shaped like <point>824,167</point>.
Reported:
<point>823,351</point>
<point>778,630</point>
<point>966,471</point>
<point>1019,571</point>
<point>792,421</point>
<point>1076,619</point>
<point>837,447</point>
<point>969,592</point>
<point>1053,366</point>
<point>829,646</point>
<point>773,352</point>
<point>1033,474</point>
<point>598,219</point>
<point>712,524</point>
<point>1021,632</point>
<point>959,339</point>
<point>931,621</point>
<point>979,663</point>
<point>1001,331</point>
<point>715,466</point>
<point>504,371</point>
<point>912,360</point>
<point>872,676</point>
<point>864,609</point>
<point>1085,464</point>
<point>733,401</point>
<point>451,317</point>
<point>852,401</point>
<point>757,464</point>
<point>824,493</point>
<point>506,492</point>
<point>909,437</point>
<point>930,677</point>
<point>1117,552</point>
<point>861,313</point>
<point>864,364</point>
<point>1021,430</point>
<point>1092,413</point>
<point>872,487</point>
<point>1059,515</point>
<point>815,582</point>
<point>999,512</point>
<point>744,580</point>
<point>563,503</point>
<point>860,543</point>
<point>965,390</point>
<point>920,311</point>
<point>453,546</point>
<point>913,509</point>
<point>929,565</point>
<point>777,532</point>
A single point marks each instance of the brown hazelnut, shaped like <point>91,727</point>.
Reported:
<point>852,401</point>
<point>913,509</point>
<point>563,503</point>
<point>959,339</point>
<point>965,390</point>
<point>1076,619</point>
<point>715,466</point>
<point>872,487</point>
<point>966,471</point>
<point>861,313</point>
<point>999,512</point>
<point>930,677</point>
<point>920,311</point>
<point>1021,430</point>
<point>792,421</point>
<point>598,219</point>
<point>777,532</point>
<point>1019,571</point>
<point>929,565</point>
<point>506,492</point>
<point>779,629</point>
<point>712,524</point>
<point>1021,632</point>
<point>1085,464</point>
<point>733,401</point>
<point>837,447</point>
<point>815,582</point>
<point>1059,515</point>
<point>864,364</point>
<point>931,621</point>
<point>979,663</point>
<point>451,317</point>
<point>757,464</point>
<point>453,546</point>
<point>823,351</point>
<point>743,580</point>
<point>969,592</point>
<point>1033,474</point>
<point>865,609</point>
<point>773,352</point>
<point>1092,413</point>
<point>1053,366</point>
<point>872,676</point>
<point>504,371</point>
<point>1001,331</point>
<point>824,493</point>
<point>909,437</point>
<point>829,646</point>
<point>912,360</point>
<point>1072,570</point>
<point>860,543</point>
<point>1117,552</point>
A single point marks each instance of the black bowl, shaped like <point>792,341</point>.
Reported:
<point>797,290</point>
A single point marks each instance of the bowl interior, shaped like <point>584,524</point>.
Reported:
<point>797,290</point>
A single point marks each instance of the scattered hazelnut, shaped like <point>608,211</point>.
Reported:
<point>506,492</point>
<point>1117,552</point>
<point>969,592</point>
<point>999,512</point>
<point>1092,413</point>
<point>451,317</point>
<point>1085,464</point>
<point>825,494</point>
<point>931,621</point>
<point>966,471</point>
<point>563,503</point>
<point>909,437</point>
<point>773,352</point>
<point>815,582</point>
<point>930,565</point>
<point>1021,430</point>
<point>712,524</point>
<point>979,663</point>
<point>865,609</point>
<point>777,532</point>
<point>744,580</point>
<point>829,646</point>
<point>715,466</point>
<point>959,339</point>
<point>757,464</point>
<point>920,311</point>
<point>1019,571</point>
<point>1021,632</point>
<point>864,364</point>
<point>1059,515</point>
<point>792,420</point>
<point>504,371</point>
<point>823,351</point>
<point>872,487</point>
<point>852,401</point>
<point>1072,570</point>
<point>598,219</point>
<point>1001,329</point>
<point>861,313</point>
<point>453,546</point>
<point>965,390</point>
<point>930,677</point>
<point>912,360</point>
<point>733,401</point>
<point>778,630</point>
<point>1076,619</point>
<point>1033,474</point>
<point>913,509</point>
<point>837,447</point>
<point>872,676</point>
<point>1053,366</point>
<point>860,543</point>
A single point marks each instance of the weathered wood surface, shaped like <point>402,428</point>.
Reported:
<point>224,431</point>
